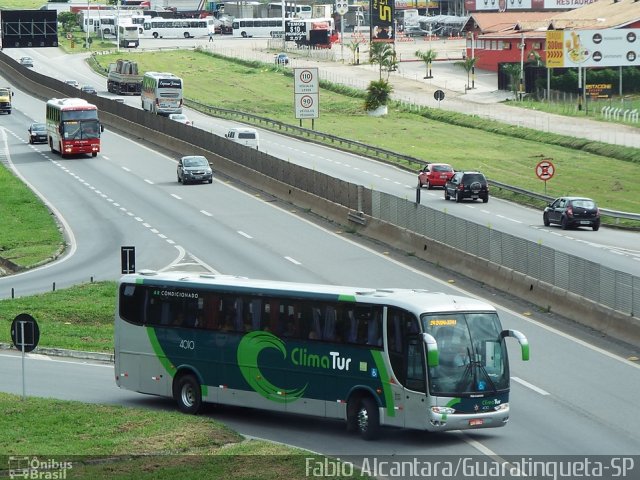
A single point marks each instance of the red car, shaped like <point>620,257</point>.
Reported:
<point>434,175</point>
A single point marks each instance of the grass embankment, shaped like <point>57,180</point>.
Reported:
<point>107,442</point>
<point>76,318</point>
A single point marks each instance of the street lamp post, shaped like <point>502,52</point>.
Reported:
<point>521,65</point>
<point>86,23</point>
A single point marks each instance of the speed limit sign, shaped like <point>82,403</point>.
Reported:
<point>69,36</point>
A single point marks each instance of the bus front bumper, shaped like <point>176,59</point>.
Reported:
<point>440,422</point>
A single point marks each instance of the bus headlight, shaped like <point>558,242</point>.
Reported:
<point>443,410</point>
<point>502,406</point>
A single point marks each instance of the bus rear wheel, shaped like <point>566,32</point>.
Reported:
<point>367,419</point>
<point>188,394</point>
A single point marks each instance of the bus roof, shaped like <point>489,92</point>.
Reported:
<point>161,75</point>
<point>411,299</point>
<point>71,104</point>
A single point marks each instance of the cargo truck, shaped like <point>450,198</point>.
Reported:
<point>123,78</point>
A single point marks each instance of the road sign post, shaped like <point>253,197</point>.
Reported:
<point>439,96</point>
<point>544,171</point>
<point>25,335</point>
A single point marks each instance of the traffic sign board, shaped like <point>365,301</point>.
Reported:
<point>438,95</point>
<point>342,7</point>
<point>545,170</point>
<point>25,332</point>
<point>306,80</point>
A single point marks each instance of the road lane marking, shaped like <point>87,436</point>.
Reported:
<point>293,260</point>
<point>530,386</point>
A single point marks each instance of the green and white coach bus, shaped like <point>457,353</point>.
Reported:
<point>399,357</point>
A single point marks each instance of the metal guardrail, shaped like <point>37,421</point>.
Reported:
<point>375,152</point>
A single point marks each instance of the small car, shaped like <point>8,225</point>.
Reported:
<point>37,133</point>
<point>282,59</point>
<point>194,168</point>
<point>73,83</point>
<point>180,117</point>
<point>471,185</point>
<point>572,212</point>
<point>26,61</point>
<point>89,89</point>
<point>435,175</point>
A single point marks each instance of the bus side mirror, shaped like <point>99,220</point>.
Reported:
<point>433,358</point>
<point>522,340</point>
<point>101,128</point>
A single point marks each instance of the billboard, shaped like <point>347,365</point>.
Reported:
<point>593,48</point>
<point>28,28</point>
<point>382,13</point>
<point>531,5</point>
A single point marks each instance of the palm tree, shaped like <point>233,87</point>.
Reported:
<point>378,93</point>
<point>354,46</point>
<point>384,55</point>
<point>427,57</point>
<point>469,65</point>
<point>514,71</point>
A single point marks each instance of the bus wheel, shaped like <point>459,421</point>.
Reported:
<point>155,34</point>
<point>94,154</point>
<point>368,419</point>
<point>186,35</point>
<point>187,394</point>
<point>244,34</point>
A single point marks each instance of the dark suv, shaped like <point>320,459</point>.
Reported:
<point>463,185</point>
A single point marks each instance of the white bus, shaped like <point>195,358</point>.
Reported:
<point>161,93</point>
<point>158,27</point>
<point>292,10</point>
<point>397,357</point>
<point>258,27</point>
<point>128,36</point>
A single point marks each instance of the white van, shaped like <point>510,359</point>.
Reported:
<point>245,136</point>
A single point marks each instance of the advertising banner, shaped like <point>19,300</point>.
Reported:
<point>382,12</point>
<point>593,48</point>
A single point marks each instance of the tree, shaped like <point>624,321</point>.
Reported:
<point>427,57</point>
<point>378,93</point>
<point>514,71</point>
<point>68,20</point>
<point>468,64</point>
<point>354,46</point>
<point>384,55</point>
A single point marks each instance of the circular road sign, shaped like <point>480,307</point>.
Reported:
<point>545,170</point>
<point>25,323</point>
<point>438,95</point>
<point>69,36</point>
<point>342,7</point>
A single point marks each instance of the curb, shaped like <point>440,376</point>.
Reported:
<point>63,352</point>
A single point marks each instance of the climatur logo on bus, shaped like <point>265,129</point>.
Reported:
<point>255,342</point>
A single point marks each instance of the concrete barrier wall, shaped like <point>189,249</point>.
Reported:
<point>241,163</point>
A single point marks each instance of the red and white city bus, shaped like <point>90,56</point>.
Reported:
<point>73,126</point>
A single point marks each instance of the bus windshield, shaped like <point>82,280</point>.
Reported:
<point>79,130</point>
<point>472,355</point>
